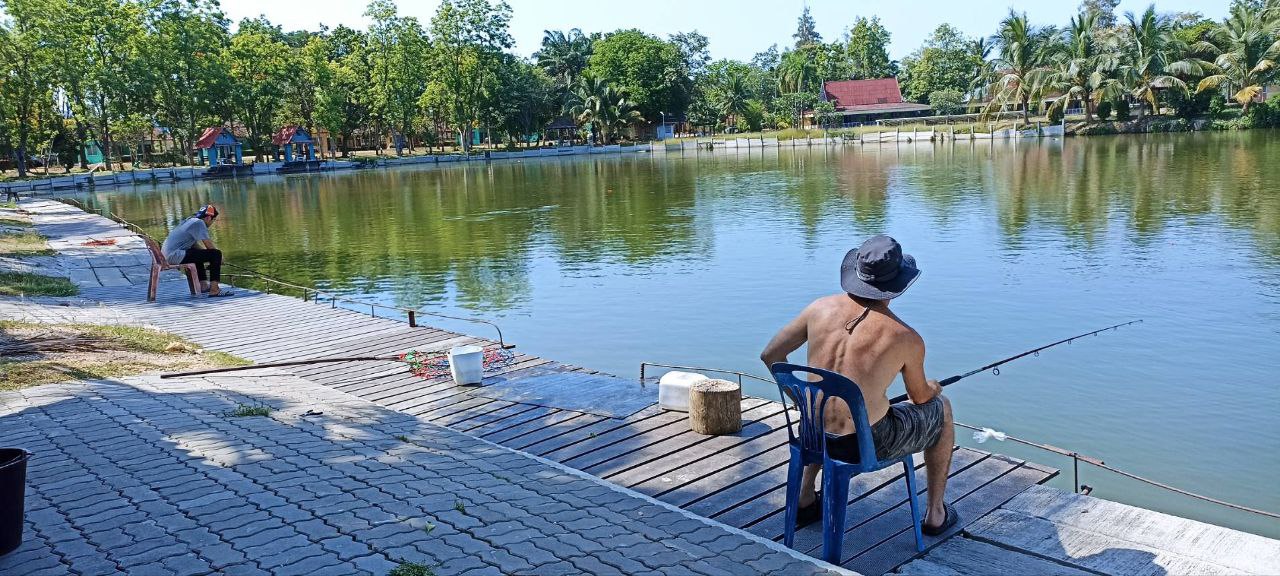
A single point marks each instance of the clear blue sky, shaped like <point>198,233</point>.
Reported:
<point>737,29</point>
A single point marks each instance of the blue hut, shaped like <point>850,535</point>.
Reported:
<point>221,147</point>
<point>294,141</point>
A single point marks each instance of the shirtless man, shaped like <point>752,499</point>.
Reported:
<point>855,334</point>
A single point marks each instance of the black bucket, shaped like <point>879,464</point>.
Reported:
<point>13,485</point>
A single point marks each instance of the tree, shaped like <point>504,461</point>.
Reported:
<point>341,103</point>
<point>1084,68</point>
<point>825,115</point>
<point>945,102</point>
<point>564,57</point>
<point>693,52</point>
<point>1247,47</point>
<point>468,36</point>
<point>1105,9</point>
<point>601,105</point>
<point>25,73</point>
<point>1023,60</point>
<point>258,70</point>
<point>943,63</point>
<point>525,100</point>
<point>868,47</point>
<point>806,30</point>
<point>186,40</point>
<point>732,97</point>
<point>648,70</point>
<point>798,72</point>
<point>1154,57</point>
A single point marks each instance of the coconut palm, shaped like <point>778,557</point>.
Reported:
<point>1248,45</point>
<point>1155,57</point>
<point>731,97</point>
<point>1019,70</point>
<point>983,72</point>
<point>1081,71</point>
<point>593,100</point>
<point>797,71</point>
<point>564,56</point>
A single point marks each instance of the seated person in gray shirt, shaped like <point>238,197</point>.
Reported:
<point>180,247</point>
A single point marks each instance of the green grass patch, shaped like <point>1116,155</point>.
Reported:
<point>19,238</point>
<point>246,410</point>
<point>411,569</point>
<point>459,506</point>
<point>29,284</point>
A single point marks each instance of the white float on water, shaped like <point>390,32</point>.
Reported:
<point>673,389</point>
<point>467,364</point>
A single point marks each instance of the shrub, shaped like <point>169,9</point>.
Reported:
<point>1216,105</point>
<point>1104,110</point>
<point>1122,109</point>
<point>1055,114</point>
<point>946,102</point>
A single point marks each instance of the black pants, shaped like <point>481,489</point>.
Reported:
<point>200,257</point>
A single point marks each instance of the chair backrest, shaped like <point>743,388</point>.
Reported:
<point>811,397</point>
<point>156,254</point>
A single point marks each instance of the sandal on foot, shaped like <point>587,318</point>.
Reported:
<point>222,294</point>
<point>807,515</point>
<point>947,523</point>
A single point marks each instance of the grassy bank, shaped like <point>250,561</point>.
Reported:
<point>18,239</point>
<point>36,354</point>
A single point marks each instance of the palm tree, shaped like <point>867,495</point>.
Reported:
<point>1155,57</point>
<point>1024,57</point>
<point>595,101</point>
<point>1082,70</point>
<point>983,71</point>
<point>564,56</point>
<point>1248,46</point>
<point>732,97</point>
<point>797,71</point>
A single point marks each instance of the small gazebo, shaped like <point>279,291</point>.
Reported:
<point>295,140</point>
<point>221,147</point>
<point>561,129</point>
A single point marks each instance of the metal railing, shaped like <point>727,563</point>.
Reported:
<point>310,293</point>
<point>1076,457</point>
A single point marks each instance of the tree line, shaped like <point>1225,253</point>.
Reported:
<point>120,72</point>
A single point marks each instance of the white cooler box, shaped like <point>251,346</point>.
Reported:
<point>673,389</point>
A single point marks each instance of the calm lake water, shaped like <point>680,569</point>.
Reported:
<point>607,262</point>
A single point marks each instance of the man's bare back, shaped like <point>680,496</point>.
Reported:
<point>872,354</point>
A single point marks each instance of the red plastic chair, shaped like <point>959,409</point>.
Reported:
<point>158,264</point>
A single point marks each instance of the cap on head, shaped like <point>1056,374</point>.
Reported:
<point>208,210</point>
<point>878,270</point>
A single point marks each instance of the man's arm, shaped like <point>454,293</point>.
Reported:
<point>208,244</point>
<point>794,334</point>
<point>919,388</point>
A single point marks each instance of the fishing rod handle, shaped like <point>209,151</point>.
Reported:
<point>950,381</point>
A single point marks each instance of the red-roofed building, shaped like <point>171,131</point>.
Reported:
<point>294,140</point>
<point>220,146</point>
<point>861,101</point>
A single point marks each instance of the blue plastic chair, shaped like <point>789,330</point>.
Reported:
<point>809,447</point>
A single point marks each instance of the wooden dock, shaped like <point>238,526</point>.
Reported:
<point>738,480</point>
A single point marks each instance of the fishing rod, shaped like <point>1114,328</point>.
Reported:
<point>282,364</point>
<point>995,366</point>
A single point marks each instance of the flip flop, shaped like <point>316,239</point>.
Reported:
<point>222,294</point>
<point>947,523</point>
<point>807,515</point>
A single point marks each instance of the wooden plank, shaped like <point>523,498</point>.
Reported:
<point>614,430</point>
<point>1239,551</point>
<point>895,518</point>
<point>644,456</point>
<point>965,557</point>
<point>458,404</point>
<point>731,467</point>
<point>556,422</point>
<point>900,546</point>
<point>883,493</point>
<point>535,417</point>
<point>1098,553</point>
<point>697,460</point>
<point>510,411</point>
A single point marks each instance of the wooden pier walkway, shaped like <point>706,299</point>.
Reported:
<point>737,480</point>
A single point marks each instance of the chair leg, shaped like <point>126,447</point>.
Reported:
<point>909,471</point>
<point>835,501</point>
<point>151,286</point>
<point>795,471</point>
<point>192,280</point>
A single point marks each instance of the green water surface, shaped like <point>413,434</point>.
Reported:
<point>609,261</point>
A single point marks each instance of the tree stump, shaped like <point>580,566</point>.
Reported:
<point>715,407</point>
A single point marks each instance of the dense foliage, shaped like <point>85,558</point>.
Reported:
<point>124,74</point>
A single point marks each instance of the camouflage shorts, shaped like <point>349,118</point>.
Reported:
<point>906,429</point>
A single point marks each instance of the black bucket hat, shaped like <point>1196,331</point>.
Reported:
<point>878,270</point>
